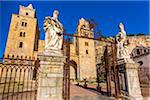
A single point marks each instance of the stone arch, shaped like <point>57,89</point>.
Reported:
<point>138,51</point>
<point>73,70</point>
<point>140,55</point>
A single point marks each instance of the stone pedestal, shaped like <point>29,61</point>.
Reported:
<point>133,83</point>
<point>50,77</point>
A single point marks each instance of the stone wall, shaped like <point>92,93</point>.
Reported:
<point>50,77</point>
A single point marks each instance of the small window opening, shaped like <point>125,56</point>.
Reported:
<point>24,34</point>
<point>20,34</point>
<point>22,24</point>
<point>86,44</point>
<point>26,13</point>
<point>25,24</point>
<point>86,51</point>
<point>20,45</point>
<point>138,51</point>
<point>140,62</point>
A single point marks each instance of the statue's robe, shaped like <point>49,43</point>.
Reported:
<point>54,34</point>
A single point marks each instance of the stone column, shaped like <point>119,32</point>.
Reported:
<point>133,83</point>
<point>50,77</point>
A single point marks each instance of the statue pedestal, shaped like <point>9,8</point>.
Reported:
<point>50,76</point>
<point>133,83</point>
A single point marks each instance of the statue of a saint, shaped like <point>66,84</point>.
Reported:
<point>122,51</point>
<point>53,32</point>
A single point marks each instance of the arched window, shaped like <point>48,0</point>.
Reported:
<point>87,52</point>
<point>138,51</point>
<point>22,24</point>
<point>83,26</point>
<point>20,44</point>
<point>20,34</point>
<point>86,43</point>
<point>24,33</point>
<point>25,24</point>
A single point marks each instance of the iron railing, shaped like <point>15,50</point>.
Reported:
<point>18,78</point>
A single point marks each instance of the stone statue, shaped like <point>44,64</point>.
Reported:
<point>122,51</point>
<point>131,68</point>
<point>53,32</point>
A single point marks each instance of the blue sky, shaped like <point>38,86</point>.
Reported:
<point>133,14</point>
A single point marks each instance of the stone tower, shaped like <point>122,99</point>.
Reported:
<point>86,51</point>
<point>23,33</point>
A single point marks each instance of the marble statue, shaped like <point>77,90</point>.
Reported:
<point>131,68</point>
<point>53,32</point>
<point>122,51</point>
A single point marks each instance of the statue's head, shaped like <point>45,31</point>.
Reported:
<point>55,14</point>
<point>52,24</point>
<point>121,27</point>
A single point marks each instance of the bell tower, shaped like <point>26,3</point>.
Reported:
<point>86,50</point>
<point>23,33</point>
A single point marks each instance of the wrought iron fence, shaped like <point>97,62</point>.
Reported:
<point>18,78</point>
<point>66,71</point>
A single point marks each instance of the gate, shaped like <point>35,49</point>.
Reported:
<point>66,71</point>
<point>18,78</point>
<point>109,68</point>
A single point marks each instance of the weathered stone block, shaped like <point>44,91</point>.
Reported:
<point>133,81</point>
<point>43,93</point>
<point>53,91</point>
<point>59,82</point>
<point>50,80</point>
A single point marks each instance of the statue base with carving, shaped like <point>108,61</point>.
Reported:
<point>131,68</point>
<point>133,84</point>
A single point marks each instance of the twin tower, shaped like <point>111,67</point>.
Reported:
<point>23,40</point>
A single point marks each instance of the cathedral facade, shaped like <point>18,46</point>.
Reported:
<point>23,40</point>
<point>85,54</point>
